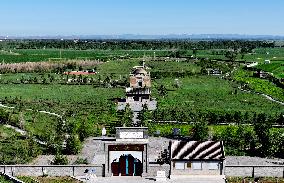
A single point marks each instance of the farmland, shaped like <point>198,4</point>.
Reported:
<point>85,104</point>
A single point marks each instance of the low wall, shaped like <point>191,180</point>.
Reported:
<point>254,170</point>
<point>153,168</point>
<point>51,170</point>
<point>79,170</point>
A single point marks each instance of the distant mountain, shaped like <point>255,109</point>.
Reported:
<point>157,37</point>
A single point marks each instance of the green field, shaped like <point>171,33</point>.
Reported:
<point>276,67</point>
<point>37,55</point>
<point>87,103</point>
<point>210,93</point>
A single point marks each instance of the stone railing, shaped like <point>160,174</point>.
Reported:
<point>52,170</point>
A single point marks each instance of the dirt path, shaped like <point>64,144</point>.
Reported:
<point>25,133</point>
<point>264,95</point>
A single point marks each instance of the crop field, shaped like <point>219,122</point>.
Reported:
<point>37,55</point>
<point>85,104</point>
<point>209,93</point>
<point>276,67</point>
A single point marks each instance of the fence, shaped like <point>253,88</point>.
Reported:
<point>52,170</point>
<point>254,170</point>
<point>79,170</point>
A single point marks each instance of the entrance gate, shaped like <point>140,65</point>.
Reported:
<point>126,159</point>
<point>127,166</point>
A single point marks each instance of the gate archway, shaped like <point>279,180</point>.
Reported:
<point>127,165</point>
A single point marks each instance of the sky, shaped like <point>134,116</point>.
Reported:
<point>146,17</point>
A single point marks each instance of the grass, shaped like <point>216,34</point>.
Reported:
<point>63,179</point>
<point>95,104</point>
<point>6,133</point>
<point>4,180</point>
<point>37,55</point>
<point>259,85</point>
<point>56,180</point>
<point>210,93</point>
<point>275,67</point>
<point>261,180</point>
<point>27,179</point>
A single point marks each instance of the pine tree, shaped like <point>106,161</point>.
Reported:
<point>200,130</point>
<point>73,145</point>
<point>127,117</point>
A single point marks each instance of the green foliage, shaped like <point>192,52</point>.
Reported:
<point>4,180</point>
<point>27,179</point>
<point>126,117</point>
<point>200,131</point>
<point>144,116</point>
<point>16,151</point>
<point>60,159</point>
<point>262,128</point>
<point>80,161</point>
<point>162,91</point>
<point>85,129</point>
<point>73,145</point>
<point>258,85</point>
<point>231,55</point>
<point>251,179</point>
<point>87,105</point>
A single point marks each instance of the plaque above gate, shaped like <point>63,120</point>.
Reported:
<point>131,134</point>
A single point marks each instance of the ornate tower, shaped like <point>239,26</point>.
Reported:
<point>139,91</point>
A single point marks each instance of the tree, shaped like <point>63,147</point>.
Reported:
<point>60,159</point>
<point>144,115</point>
<point>194,52</point>
<point>200,130</point>
<point>164,158</point>
<point>262,129</point>
<point>127,116</point>
<point>231,55</point>
<point>73,144</point>
<point>85,129</point>
<point>162,91</point>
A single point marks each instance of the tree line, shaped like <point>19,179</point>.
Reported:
<point>133,44</point>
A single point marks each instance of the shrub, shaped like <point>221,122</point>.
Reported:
<point>60,159</point>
